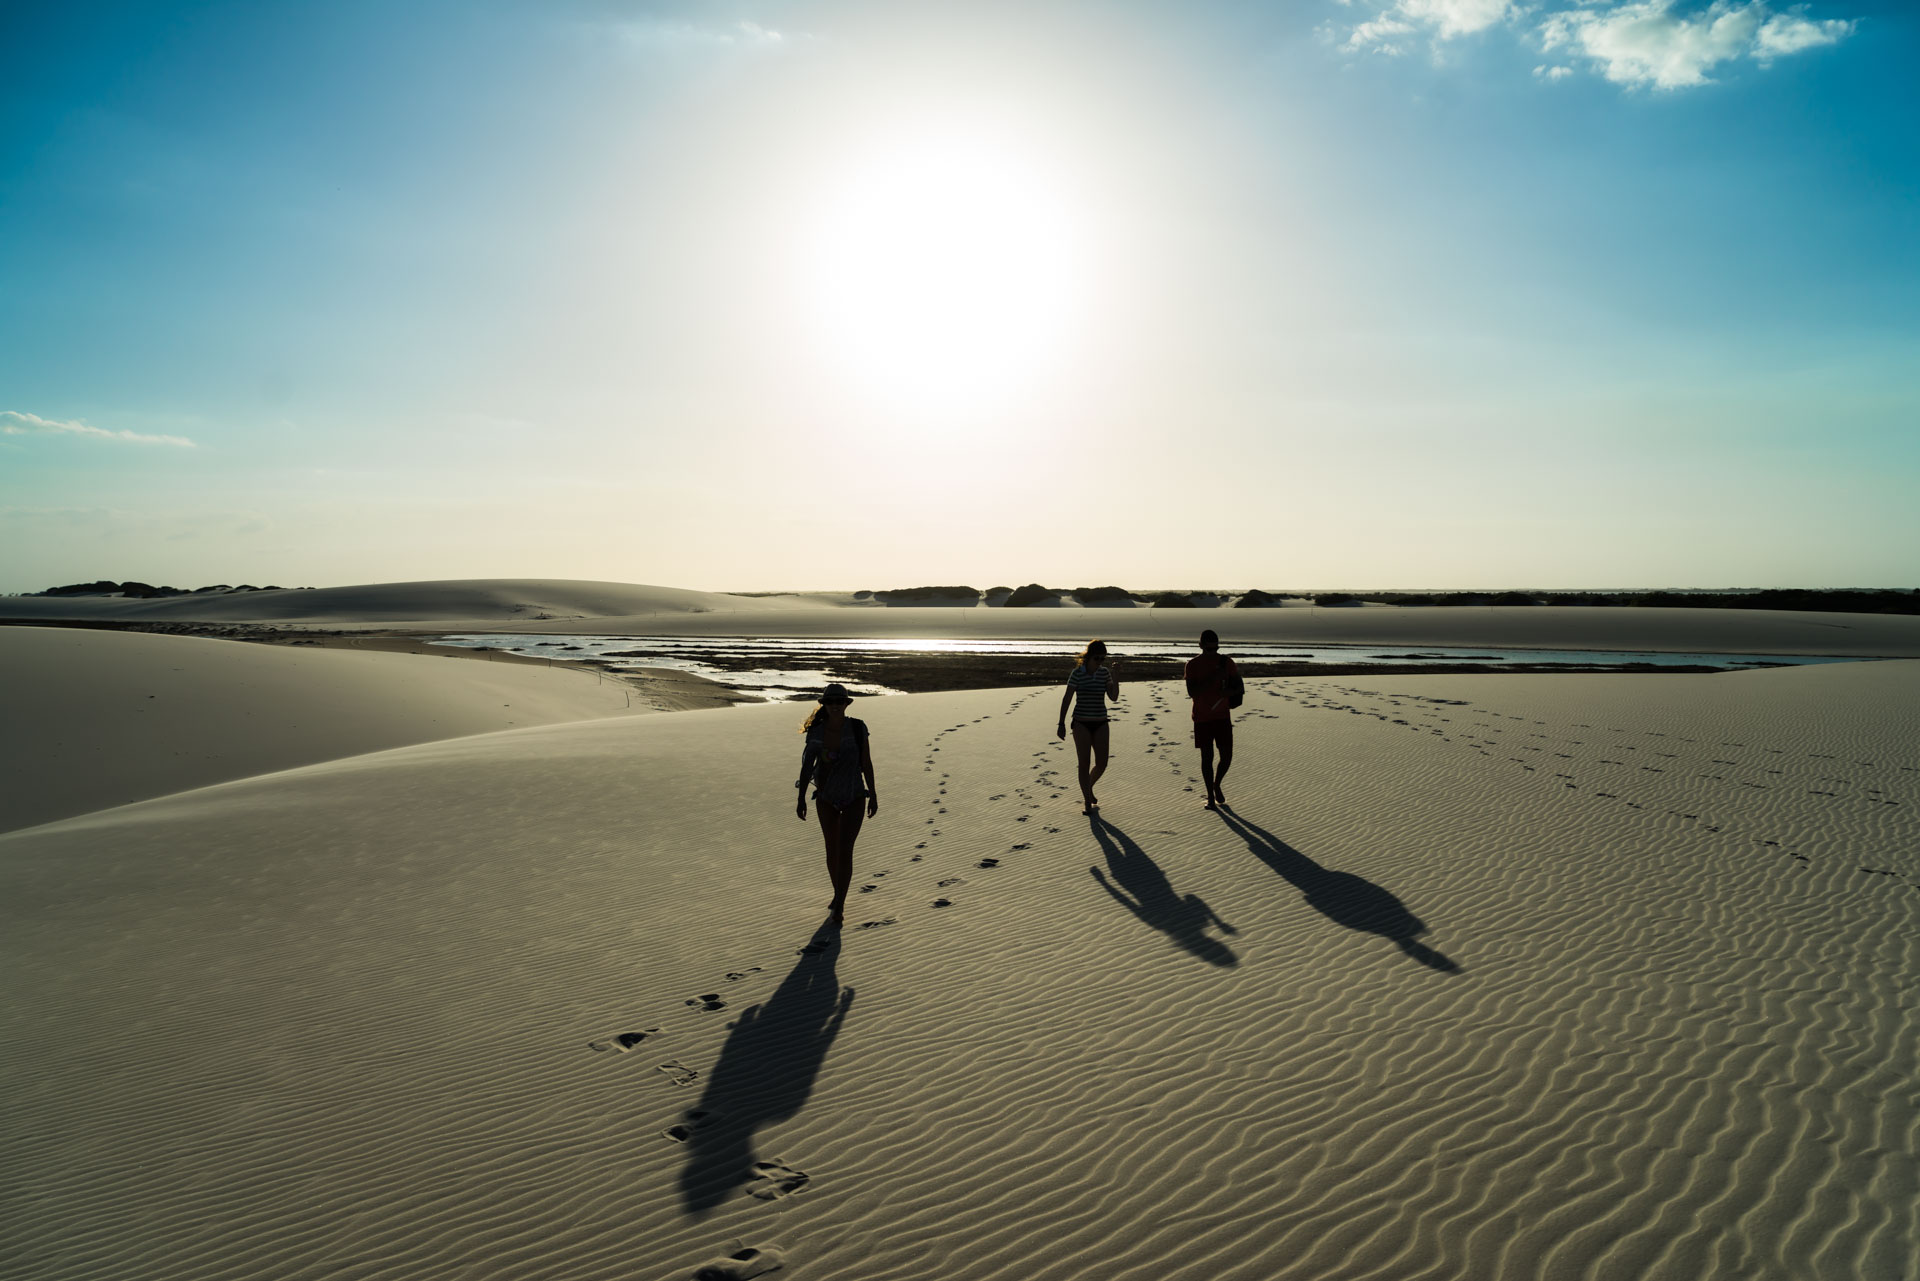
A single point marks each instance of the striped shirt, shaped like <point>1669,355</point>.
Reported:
<point>1090,693</point>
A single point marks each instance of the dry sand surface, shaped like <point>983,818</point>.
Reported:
<point>95,719</point>
<point>1601,977</point>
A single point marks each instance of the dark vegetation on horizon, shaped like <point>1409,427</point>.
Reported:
<point>1837,600</point>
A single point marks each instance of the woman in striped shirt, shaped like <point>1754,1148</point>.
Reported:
<point>1092,681</point>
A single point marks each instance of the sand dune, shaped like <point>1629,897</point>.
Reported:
<point>103,718</point>
<point>461,600</point>
<point>1484,977</point>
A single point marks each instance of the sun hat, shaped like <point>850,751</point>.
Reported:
<point>834,693</point>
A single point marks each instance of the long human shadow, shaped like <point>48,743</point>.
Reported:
<point>1341,897</point>
<point>1182,918</point>
<point>764,1074</point>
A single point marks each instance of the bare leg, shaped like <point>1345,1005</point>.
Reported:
<point>1220,775</point>
<point>839,830</point>
<point>1206,770</point>
<point>840,865</point>
<point>1082,750</point>
<point>1100,740</point>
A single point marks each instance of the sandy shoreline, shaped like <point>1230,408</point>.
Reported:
<point>1482,977</point>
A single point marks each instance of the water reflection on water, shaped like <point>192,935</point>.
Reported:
<point>785,667</point>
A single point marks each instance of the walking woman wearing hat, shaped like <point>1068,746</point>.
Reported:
<point>836,760</point>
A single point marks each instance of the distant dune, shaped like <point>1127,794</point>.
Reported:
<point>97,719</point>
<point>459,600</point>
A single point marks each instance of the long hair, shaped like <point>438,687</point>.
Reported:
<point>1096,651</point>
<point>814,715</point>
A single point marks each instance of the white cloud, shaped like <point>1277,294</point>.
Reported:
<point>1451,18</point>
<point>1644,42</point>
<point>1631,42</point>
<point>688,35</point>
<point>15,423</point>
<point>1382,33</point>
<point>1443,19</point>
<point>1786,33</point>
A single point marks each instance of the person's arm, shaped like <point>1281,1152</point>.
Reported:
<point>866,768</point>
<point>1066,700</point>
<point>1113,683</point>
<point>809,758</point>
<point>1193,682</point>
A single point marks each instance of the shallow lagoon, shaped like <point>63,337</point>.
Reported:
<point>783,668</point>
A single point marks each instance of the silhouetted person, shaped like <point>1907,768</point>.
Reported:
<point>838,758</point>
<point>1142,888</point>
<point>1342,897</point>
<point>764,1075</point>
<point>1090,688</point>
<point>1214,685</point>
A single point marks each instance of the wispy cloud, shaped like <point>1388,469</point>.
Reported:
<point>1645,42</point>
<point>654,34</point>
<point>15,423</point>
<point>1393,27</point>
<point>1656,43</point>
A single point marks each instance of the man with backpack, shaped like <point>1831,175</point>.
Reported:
<point>1214,684</point>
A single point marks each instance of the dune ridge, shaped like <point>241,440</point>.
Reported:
<point>526,599</point>
<point>97,719</point>
<point>338,1021</point>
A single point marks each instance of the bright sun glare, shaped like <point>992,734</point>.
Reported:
<point>945,270</point>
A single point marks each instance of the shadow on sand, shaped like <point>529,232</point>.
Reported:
<point>1341,897</point>
<point>764,1074</point>
<point>1182,918</point>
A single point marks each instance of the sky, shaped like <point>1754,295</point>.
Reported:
<point>844,294</point>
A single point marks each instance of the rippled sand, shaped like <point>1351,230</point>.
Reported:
<point>1480,977</point>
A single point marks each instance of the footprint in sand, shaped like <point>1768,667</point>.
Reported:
<point>677,1072</point>
<point>988,862</point>
<point>734,976</point>
<point>950,881</point>
<point>868,889</point>
<point>941,902</point>
<point>623,1042</point>
<point>874,925</point>
<point>775,1179</point>
<point>743,1264</point>
<point>697,1119</point>
<point>711,1001</point>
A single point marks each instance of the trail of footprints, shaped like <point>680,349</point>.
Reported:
<point>774,1179</point>
<point>1571,758</point>
<point>1605,763</point>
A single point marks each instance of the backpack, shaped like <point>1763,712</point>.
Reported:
<point>1236,688</point>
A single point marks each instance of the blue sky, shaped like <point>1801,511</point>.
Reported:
<point>1389,292</point>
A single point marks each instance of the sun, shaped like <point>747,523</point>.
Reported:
<point>944,269</point>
